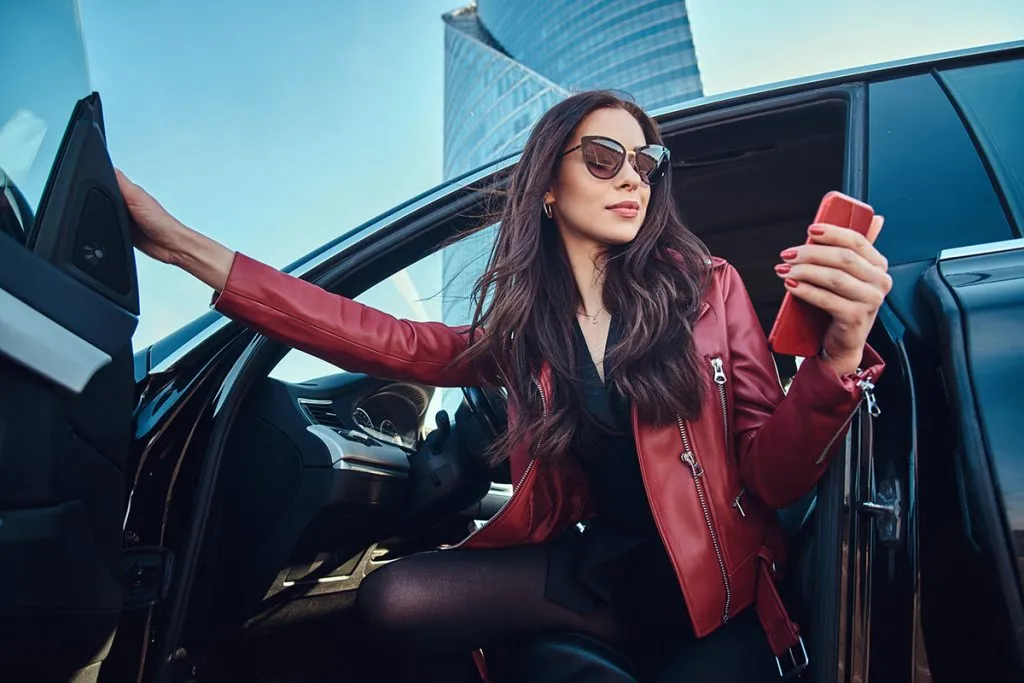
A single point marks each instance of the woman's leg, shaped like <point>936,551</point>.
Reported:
<point>459,600</point>
<point>736,653</point>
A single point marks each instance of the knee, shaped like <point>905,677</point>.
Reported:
<point>393,600</point>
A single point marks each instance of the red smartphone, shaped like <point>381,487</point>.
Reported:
<point>799,328</point>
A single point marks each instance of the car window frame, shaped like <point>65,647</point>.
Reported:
<point>1014,213</point>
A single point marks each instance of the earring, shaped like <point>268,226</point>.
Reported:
<point>547,210</point>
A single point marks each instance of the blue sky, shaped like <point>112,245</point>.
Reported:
<point>274,126</point>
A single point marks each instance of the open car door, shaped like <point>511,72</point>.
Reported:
<point>68,308</point>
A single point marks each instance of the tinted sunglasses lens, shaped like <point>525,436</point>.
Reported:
<point>651,163</point>
<point>603,158</point>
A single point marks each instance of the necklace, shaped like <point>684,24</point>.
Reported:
<point>592,318</point>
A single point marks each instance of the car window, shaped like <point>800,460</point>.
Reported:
<point>991,97</point>
<point>435,288</point>
<point>925,175</point>
<point>44,75</point>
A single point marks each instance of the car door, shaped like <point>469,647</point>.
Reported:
<point>68,308</point>
<point>945,168</point>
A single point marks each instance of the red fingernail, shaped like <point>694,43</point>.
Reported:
<point>788,254</point>
<point>791,284</point>
<point>816,230</point>
<point>783,268</point>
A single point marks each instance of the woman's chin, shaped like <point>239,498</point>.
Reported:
<point>622,234</point>
<point>615,234</point>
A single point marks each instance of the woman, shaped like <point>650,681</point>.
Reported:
<point>643,400</point>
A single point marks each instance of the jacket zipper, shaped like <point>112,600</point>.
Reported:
<point>738,502</point>
<point>719,369</point>
<point>690,458</point>
<point>867,388</point>
<point>519,485</point>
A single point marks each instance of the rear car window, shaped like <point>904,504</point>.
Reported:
<point>991,97</point>
<point>925,175</point>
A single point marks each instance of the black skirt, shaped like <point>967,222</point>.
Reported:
<point>598,568</point>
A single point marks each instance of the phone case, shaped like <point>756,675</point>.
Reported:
<point>799,327</point>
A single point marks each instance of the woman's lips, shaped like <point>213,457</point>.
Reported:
<point>625,209</point>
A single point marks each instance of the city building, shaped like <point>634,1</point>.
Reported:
<point>508,61</point>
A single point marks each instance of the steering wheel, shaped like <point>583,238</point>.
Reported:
<point>490,408</point>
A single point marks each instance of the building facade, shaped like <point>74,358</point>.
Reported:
<point>508,61</point>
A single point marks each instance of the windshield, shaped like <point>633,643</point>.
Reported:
<point>45,74</point>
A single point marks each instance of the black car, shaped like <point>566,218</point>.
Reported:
<point>190,511</point>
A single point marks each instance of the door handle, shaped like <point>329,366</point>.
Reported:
<point>887,510</point>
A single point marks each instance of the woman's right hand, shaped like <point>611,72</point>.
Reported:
<point>156,233</point>
<point>163,237</point>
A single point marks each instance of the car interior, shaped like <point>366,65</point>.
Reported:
<point>324,481</point>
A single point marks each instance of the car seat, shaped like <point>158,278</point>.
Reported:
<point>561,657</point>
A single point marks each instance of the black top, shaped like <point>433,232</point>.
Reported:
<point>619,558</point>
<point>606,451</point>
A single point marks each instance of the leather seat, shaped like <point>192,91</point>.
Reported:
<point>562,657</point>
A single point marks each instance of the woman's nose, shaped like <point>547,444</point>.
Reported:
<point>628,176</point>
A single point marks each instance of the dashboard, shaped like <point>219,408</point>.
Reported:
<point>392,414</point>
<point>315,472</point>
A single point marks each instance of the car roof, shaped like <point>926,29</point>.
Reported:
<point>879,71</point>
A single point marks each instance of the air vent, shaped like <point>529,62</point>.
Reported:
<point>320,412</point>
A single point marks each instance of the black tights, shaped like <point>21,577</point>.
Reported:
<point>452,602</point>
<point>456,601</point>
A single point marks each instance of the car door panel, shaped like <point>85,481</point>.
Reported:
<point>55,325</point>
<point>68,309</point>
<point>977,298</point>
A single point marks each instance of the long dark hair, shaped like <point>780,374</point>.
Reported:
<point>525,302</point>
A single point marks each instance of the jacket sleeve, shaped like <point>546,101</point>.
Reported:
<point>346,333</point>
<point>784,442</point>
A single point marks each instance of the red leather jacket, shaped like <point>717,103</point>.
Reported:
<point>713,483</point>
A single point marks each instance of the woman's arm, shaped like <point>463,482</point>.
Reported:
<point>782,442</point>
<point>208,260</point>
<point>344,332</point>
<point>302,315</point>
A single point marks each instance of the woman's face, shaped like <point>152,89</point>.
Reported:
<point>595,211</point>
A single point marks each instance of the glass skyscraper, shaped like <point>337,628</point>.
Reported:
<point>508,61</point>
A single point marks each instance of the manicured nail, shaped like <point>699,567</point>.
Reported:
<point>783,268</point>
<point>816,230</point>
<point>791,284</point>
<point>788,254</point>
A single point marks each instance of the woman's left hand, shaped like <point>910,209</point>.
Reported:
<point>842,273</point>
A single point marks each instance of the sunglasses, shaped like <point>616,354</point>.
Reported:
<point>604,158</point>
